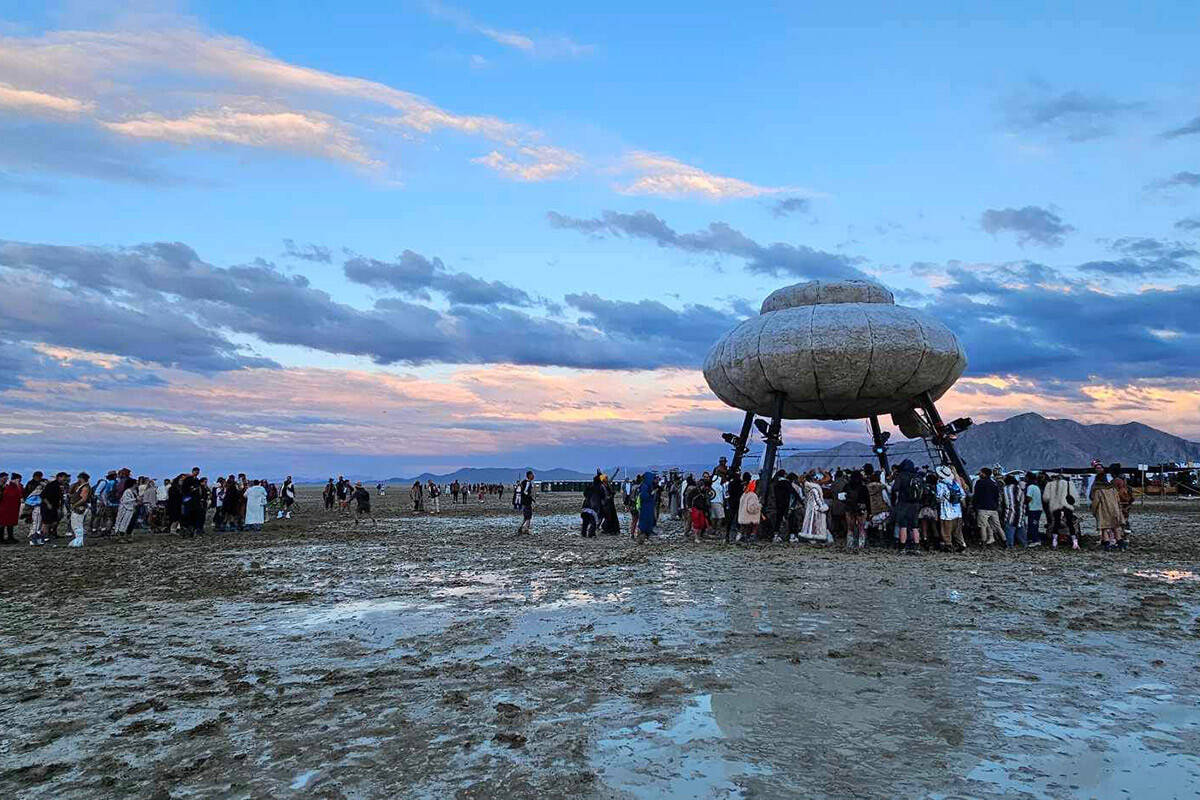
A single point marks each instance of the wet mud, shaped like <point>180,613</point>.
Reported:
<point>439,657</point>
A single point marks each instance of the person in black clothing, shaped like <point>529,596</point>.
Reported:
<point>733,496</point>
<point>52,500</point>
<point>525,491</point>
<point>328,494</point>
<point>233,504</point>
<point>362,501</point>
<point>907,490</point>
<point>593,508</point>
<point>986,501</point>
<point>287,496</point>
<point>781,494</point>
<point>857,499</point>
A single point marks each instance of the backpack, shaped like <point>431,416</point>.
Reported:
<point>955,493</point>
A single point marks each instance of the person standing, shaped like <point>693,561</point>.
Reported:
<point>1033,509</point>
<point>418,495</point>
<point>986,500</point>
<point>1012,501</point>
<point>593,508</point>
<point>855,500</point>
<point>53,496</point>
<point>647,507</point>
<point>10,506</point>
<point>525,491</point>
<point>1060,502</point>
<point>32,499</point>
<point>1106,507</point>
<point>1125,494</point>
<point>126,510</point>
<point>435,493</point>
<point>232,505</point>
<point>256,506</point>
<point>950,496</point>
<point>716,506</point>
<point>906,494</point>
<point>749,511</point>
<point>327,495</point>
<point>80,499</point>
<point>815,527</point>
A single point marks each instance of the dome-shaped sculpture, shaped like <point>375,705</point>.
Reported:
<point>834,350</point>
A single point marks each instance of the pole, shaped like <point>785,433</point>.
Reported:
<point>768,468</point>
<point>880,447</point>
<point>940,438</point>
<point>740,445</point>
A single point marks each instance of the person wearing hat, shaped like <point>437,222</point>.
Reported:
<point>950,498</point>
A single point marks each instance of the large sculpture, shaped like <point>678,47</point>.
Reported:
<point>838,350</point>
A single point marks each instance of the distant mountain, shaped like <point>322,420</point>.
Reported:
<point>1031,441</point>
<point>1026,441</point>
<point>505,475</point>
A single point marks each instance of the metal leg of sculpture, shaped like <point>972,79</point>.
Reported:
<point>941,440</point>
<point>877,436</point>
<point>768,468</point>
<point>736,467</point>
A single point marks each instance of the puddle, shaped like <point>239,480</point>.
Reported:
<point>382,621</point>
<point>682,758</point>
<point>302,780</point>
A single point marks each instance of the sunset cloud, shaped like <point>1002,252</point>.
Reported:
<point>665,176</point>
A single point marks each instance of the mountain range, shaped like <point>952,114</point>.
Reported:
<point>1028,441</point>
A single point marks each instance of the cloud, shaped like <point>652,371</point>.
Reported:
<point>415,275</point>
<point>547,47</point>
<point>37,147</point>
<point>1073,115</point>
<point>1031,321</point>
<point>790,205</point>
<point>186,86</point>
<point>162,303</point>
<point>664,176</point>
<point>28,101</point>
<point>696,327</point>
<point>1188,224</point>
<point>532,163</point>
<point>719,238</point>
<point>309,252</point>
<point>1032,224</point>
<point>1186,179</point>
<point>1187,129</point>
<point>309,133</point>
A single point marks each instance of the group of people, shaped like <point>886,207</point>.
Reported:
<point>345,492</point>
<point>908,507</point>
<point>119,502</point>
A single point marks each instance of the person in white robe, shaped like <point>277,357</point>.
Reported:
<point>126,509</point>
<point>256,506</point>
<point>815,527</point>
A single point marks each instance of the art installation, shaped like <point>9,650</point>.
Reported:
<point>839,350</point>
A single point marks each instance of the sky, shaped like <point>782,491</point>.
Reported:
<point>381,238</point>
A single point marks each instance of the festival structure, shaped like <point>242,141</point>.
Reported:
<point>838,350</point>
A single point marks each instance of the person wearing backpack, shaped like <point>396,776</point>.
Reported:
<point>906,492</point>
<point>950,497</point>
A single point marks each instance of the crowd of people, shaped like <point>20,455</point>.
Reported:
<point>908,508</point>
<point>120,502</point>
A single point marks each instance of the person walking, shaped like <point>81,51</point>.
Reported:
<point>525,491</point>
<point>647,508</point>
<point>362,504</point>
<point>287,497</point>
<point>418,495</point>
<point>593,508</point>
<point>950,496</point>
<point>815,527</point>
<point>1060,502</point>
<point>855,501</point>
<point>1125,494</point>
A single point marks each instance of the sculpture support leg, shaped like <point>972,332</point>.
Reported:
<point>768,468</point>
<point>736,467</point>
<point>943,441</point>
<point>877,436</point>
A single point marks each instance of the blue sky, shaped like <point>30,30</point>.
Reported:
<point>989,163</point>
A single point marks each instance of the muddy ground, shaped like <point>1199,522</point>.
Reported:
<point>437,657</point>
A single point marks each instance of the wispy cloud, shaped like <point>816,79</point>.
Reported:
<point>533,163</point>
<point>309,133</point>
<point>1184,179</point>
<point>33,102</point>
<point>1072,115</point>
<point>537,45</point>
<point>665,176</point>
<point>1189,128</point>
